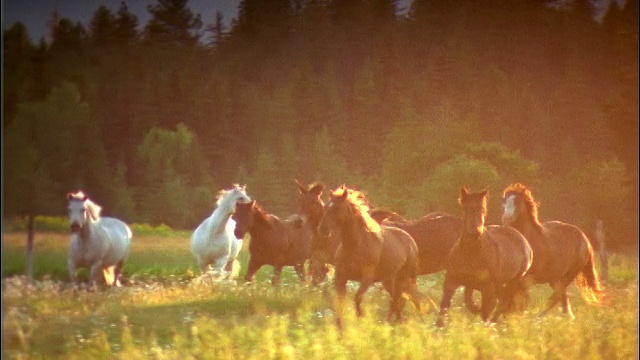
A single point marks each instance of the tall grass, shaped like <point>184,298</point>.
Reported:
<point>167,311</point>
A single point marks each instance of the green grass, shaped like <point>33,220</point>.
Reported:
<point>167,312</point>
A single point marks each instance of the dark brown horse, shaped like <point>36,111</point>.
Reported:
<point>369,252</point>
<point>562,251</point>
<point>273,242</point>
<point>492,259</point>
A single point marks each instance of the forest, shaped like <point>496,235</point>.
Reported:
<point>152,120</point>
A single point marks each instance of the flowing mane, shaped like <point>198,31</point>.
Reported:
<point>360,206</point>
<point>220,196</point>
<point>93,208</point>
<point>531,204</point>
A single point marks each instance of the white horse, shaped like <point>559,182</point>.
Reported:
<point>213,242</point>
<point>97,243</point>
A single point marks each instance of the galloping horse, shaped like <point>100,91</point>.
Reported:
<point>97,243</point>
<point>213,242</point>
<point>562,251</point>
<point>311,209</point>
<point>274,241</point>
<point>369,252</point>
<point>492,259</point>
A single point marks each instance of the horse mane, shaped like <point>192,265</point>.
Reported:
<point>360,206</point>
<point>262,213</point>
<point>531,204</point>
<point>93,208</point>
<point>220,196</point>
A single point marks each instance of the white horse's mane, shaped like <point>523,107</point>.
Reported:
<point>93,208</point>
<point>221,194</point>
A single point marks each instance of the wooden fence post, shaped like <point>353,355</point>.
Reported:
<point>602,250</point>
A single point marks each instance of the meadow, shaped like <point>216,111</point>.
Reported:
<point>167,310</point>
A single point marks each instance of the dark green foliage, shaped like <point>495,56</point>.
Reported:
<point>408,109</point>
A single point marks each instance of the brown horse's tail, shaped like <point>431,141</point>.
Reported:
<point>588,282</point>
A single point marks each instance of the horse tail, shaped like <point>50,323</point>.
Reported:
<point>588,281</point>
<point>468,300</point>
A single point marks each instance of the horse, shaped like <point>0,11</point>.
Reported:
<point>213,243</point>
<point>368,253</point>
<point>563,253</point>
<point>274,241</point>
<point>311,209</point>
<point>97,243</point>
<point>323,248</point>
<point>492,259</point>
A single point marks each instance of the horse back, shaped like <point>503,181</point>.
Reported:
<point>435,237</point>
<point>512,251</point>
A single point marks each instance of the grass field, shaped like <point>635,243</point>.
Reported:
<point>167,311</point>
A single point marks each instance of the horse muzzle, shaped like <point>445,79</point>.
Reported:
<point>75,227</point>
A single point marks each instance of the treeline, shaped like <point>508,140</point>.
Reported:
<point>151,120</point>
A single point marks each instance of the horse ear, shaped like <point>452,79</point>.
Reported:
<point>69,196</point>
<point>302,189</point>
<point>345,193</point>
<point>464,192</point>
<point>485,191</point>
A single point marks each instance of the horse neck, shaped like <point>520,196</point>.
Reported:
<point>219,218</point>
<point>354,232</point>
<point>527,226</point>
<point>258,227</point>
<point>471,241</point>
<point>89,229</point>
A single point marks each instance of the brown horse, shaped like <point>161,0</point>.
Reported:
<point>273,242</point>
<point>562,251</point>
<point>492,259</point>
<point>369,252</point>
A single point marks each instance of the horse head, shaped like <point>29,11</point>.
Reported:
<point>229,198</point>
<point>81,210</point>
<point>474,210</point>
<point>518,200</point>
<point>310,205</point>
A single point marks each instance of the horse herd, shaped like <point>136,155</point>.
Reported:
<point>369,245</point>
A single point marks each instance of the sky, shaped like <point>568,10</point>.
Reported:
<point>35,14</point>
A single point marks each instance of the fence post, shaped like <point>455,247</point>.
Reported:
<point>602,250</point>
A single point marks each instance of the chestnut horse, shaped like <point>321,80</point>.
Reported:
<point>492,259</point>
<point>434,234</point>
<point>369,252</point>
<point>562,251</point>
<point>274,241</point>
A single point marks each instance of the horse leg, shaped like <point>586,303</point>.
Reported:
<point>253,267</point>
<point>468,300</point>
<point>118,271</point>
<point>566,306</point>
<point>340,281</point>
<point>558,290</point>
<point>301,272</point>
<point>488,302</point>
<point>365,283</point>
<point>108,274</point>
<point>72,271</point>
<point>449,287</point>
<point>275,279</point>
<point>94,274</point>
<point>409,286</point>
